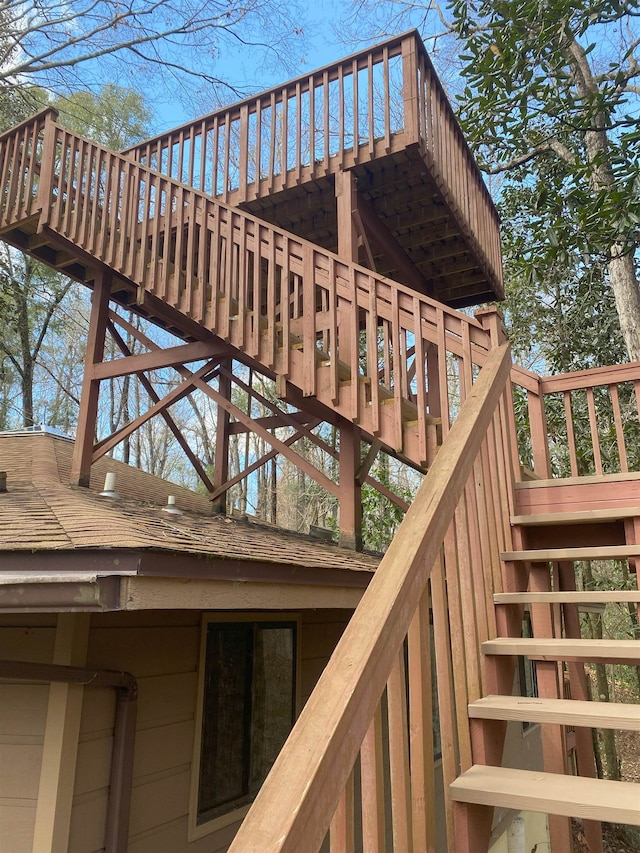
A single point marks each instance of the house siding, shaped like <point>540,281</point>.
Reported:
<point>161,649</point>
<point>23,713</point>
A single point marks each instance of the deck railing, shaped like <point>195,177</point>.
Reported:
<point>336,117</point>
<point>373,103</point>
<point>578,424</point>
<point>372,707</point>
<point>258,287</point>
<point>20,159</point>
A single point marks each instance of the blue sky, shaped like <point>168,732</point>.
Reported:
<point>322,44</point>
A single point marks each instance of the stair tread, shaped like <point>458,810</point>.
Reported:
<point>565,649</point>
<point>553,793</point>
<point>577,712</point>
<point>598,552</point>
<point>567,597</point>
<point>585,516</point>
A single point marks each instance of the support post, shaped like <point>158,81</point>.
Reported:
<point>346,206</point>
<point>221,455</point>
<point>83,449</point>
<point>62,729</point>
<point>350,488</point>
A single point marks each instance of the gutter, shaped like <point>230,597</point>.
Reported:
<point>124,732</point>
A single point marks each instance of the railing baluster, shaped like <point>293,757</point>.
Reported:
<point>421,716</point>
<point>386,100</point>
<point>311,85</point>
<point>372,356</point>
<point>401,822</point>
<point>298,166</point>
<point>617,420</point>
<point>309,322</point>
<point>593,427</point>
<point>351,319</point>
<point>443,383</point>
<point>244,151</point>
<point>215,156</point>
<point>342,829</point>
<point>372,784</point>
<point>446,703</point>
<point>420,375</point>
<point>20,158</point>
<point>272,143</point>
<point>191,228</point>
<point>370,103</point>
<point>239,338</point>
<point>399,370</point>
<point>258,148</point>
<point>326,113</point>
<point>215,264</point>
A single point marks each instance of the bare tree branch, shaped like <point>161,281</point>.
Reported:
<point>39,39</point>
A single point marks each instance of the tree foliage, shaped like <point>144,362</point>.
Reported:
<point>551,100</point>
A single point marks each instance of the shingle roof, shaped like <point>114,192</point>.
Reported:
<point>40,512</point>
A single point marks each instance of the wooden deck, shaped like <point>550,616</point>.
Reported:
<point>380,115</point>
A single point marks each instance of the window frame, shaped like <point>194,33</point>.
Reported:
<point>197,829</point>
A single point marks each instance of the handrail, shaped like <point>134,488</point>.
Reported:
<point>258,286</point>
<point>297,802</point>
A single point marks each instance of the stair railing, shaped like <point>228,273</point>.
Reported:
<point>336,330</point>
<point>581,423</point>
<point>365,739</point>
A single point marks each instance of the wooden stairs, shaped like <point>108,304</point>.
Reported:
<point>542,580</point>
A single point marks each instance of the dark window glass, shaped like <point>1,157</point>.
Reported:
<point>248,710</point>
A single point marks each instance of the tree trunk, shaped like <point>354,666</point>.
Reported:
<point>624,283</point>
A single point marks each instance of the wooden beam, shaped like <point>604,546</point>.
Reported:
<point>138,593</point>
<point>285,417</point>
<point>155,397</point>
<point>279,446</point>
<point>83,448</point>
<point>262,460</point>
<point>346,205</point>
<point>389,246</point>
<point>275,421</point>
<point>221,452</point>
<point>196,351</point>
<point>176,394</point>
<point>350,495</point>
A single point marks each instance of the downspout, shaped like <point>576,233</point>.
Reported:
<point>124,732</point>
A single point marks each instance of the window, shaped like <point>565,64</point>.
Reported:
<point>247,709</point>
